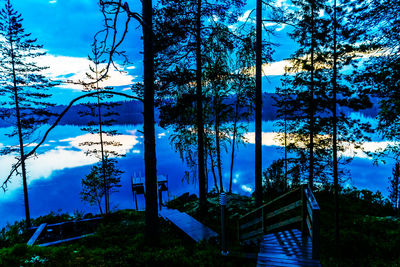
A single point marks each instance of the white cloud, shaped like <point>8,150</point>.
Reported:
<point>271,139</point>
<point>126,142</point>
<point>268,138</point>
<point>247,189</point>
<point>53,1</point>
<point>279,3</point>
<point>275,68</point>
<point>352,151</point>
<point>283,26</point>
<point>75,68</point>
<point>61,157</point>
<point>245,16</point>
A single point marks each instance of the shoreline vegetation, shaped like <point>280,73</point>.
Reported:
<point>370,236</point>
<point>133,112</point>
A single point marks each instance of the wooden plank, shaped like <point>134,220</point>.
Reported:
<point>286,258</point>
<point>78,221</point>
<point>315,235</point>
<point>196,230</point>
<point>284,223</point>
<point>302,241</point>
<point>299,251</point>
<point>309,209</point>
<point>251,223</point>
<point>37,233</point>
<point>284,209</point>
<point>309,226</point>
<point>282,237</point>
<point>252,234</point>
<point>282,261</point>
<point>296,234</point>
<point>293,241</point>
<point>286,245</point>
<point>64,240</point>
<point>297,241</point>
<point>259,209</point>
<point>271,202</point>
<point>287,248</point>
<point>311,198</point>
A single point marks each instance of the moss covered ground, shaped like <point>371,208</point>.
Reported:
<point>370,236</point>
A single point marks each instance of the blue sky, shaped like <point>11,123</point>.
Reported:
<point>66,29</point>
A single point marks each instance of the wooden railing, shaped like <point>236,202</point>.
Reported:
<point>310,223</point>
<point>295,209</point>
<point>56,231</point>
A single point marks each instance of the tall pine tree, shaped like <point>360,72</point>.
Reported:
<point>318,93</point>
<point>101,115</point>
<point>377,25</point>
<point>181,70</point>
<point>23,85</point>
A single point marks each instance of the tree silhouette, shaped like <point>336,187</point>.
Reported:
<point>394,187</point>
<point>23,85</point>
<point>101,115</point>
<point>94,186</point>
<point>182,31</point>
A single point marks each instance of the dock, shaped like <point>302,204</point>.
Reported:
<point>193,228</point>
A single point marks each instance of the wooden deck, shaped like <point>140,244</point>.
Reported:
<point>196,230</point>
<point>287,248</point>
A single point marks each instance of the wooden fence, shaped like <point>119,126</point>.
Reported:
<point>295,209</point>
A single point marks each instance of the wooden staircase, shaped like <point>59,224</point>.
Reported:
<point>286,228</point>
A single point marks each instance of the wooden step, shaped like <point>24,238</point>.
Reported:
<point>268,260</point>
<point>286,248</point>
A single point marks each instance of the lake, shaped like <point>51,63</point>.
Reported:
<point>55,174</point>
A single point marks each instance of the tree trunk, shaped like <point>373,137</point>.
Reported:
<point>213,170</point>
<point>311,114</point>
<point>106,201</point>
<point>99,203</point>
<point>217,144</point>
<point>258,117</point>
<point>200,123</point>
<point>106,198</point>
<point>234,141</point>
<point>286,159</point>
<point>398,189</point>
<point>335,160</point>
<point>397,183</point>
<point>152,232</point>
<point>21,142</point>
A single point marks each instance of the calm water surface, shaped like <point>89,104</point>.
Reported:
<point>55,174</point>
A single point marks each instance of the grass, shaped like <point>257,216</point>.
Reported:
<point>370,236</point>
<point>119,241</point>
<point>370,233</point>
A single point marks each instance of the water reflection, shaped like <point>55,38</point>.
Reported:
<point>55,174</point>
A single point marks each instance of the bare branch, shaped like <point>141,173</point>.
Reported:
<point>15,166</point>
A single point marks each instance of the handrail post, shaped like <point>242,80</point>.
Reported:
<point>262,220</point>
<point>303,211</point>
<point>222,201</point>
<point>315,234</point>
<point>238,231</point>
